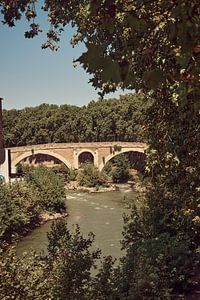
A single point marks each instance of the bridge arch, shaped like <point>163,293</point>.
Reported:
<point>85,150</point>
<point>88,153</point>
<point>112,155</point>
<point>45,152</point>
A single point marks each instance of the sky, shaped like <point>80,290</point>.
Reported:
<point>30,75</point>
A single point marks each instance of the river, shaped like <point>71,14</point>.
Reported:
<point>100,213</point>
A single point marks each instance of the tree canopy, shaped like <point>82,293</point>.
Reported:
<point>151,46</point>
<point>132,44</point>
<point>100,121</point>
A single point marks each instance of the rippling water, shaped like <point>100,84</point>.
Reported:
<point>100,213</point>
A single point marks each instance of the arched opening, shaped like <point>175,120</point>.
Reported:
<point>35,158</point>
<point>125,166</point>
<point>137,161</point>
<point>47,153</point>
<point>39,159</point>
<point>136,158</point>
<point>85,157</point>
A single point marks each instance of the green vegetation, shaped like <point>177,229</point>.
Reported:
<point>19,209</point>
<point>64,273</point>
<point>90,176</point>
<point>22,203</point>
<point>118,169</point>
<point>64,172</point>
<point>49,186</point>
<point>153,47</point>
<point>104,120</point>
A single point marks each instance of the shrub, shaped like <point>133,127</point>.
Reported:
<point>62,170</point>
<point>90,176</point>
<point>50,187</point>
<point>19,208</point>
<point>64,273</point>
<point>156,268</point>
<point>23,277</point>
<point>70,260</point>
<point>120,170</point>
<point>73,174</point>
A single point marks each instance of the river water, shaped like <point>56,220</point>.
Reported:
<point>101,213</point>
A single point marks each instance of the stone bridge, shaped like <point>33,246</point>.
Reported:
<point>70,153</point>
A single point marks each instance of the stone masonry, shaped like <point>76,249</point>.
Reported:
<point>68,153</point>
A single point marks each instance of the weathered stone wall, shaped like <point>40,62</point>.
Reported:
<point>4,164</point>
<point>69,153</point>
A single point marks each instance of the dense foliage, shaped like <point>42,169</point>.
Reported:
<point>19,208</point>
<point>63,171</point>
<point>50,187</point>
<point>64,273</point>
<point>90,176</point>
<point>104,120</point>
<point>21,203</point>
<point>118,169</point>
<point>151,46</point>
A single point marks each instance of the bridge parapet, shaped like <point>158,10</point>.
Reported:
<point>77,145</point>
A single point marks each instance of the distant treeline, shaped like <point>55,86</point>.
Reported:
<point>103,120</point>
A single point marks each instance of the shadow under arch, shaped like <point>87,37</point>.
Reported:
<point>139,154</point>
<point>85,156</point>
<point>44,152</point>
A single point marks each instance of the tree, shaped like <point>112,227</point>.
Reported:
<point>103,120</point>
<point>151,46</point>
<point>120,170</point>
<point>70,260</point>
<point>90,176</point>
<point>19,210</point>
<point>160,40</point>
<point>63,273</point>
<point>49,186</point>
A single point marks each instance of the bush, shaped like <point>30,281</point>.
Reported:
<point>160,245</point>
<point>90,176</point>
<point>64,273</point>
<point>73,175</point>
<point>23,277</point>
<point>50,187</point>
<point>156,268</point>
<point>70,259</point>
<point>118,169</point>
<point>62,170</point>
<point>20,168</point>
<point>19,208</point>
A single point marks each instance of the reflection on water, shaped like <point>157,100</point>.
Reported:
<point>100,213</point>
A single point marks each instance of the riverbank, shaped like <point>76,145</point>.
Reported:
<point>43,218</point>
<point>100,213</point>
<point>136,185</point>
<point>74,186</point>
<point>46,216</point>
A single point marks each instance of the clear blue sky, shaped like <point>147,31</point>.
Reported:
<point>30,76</point>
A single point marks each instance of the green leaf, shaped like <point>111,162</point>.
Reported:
<point>136,24</point>
<point>154,78</point>
<point>92,58</point>
<point>111,71</point>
